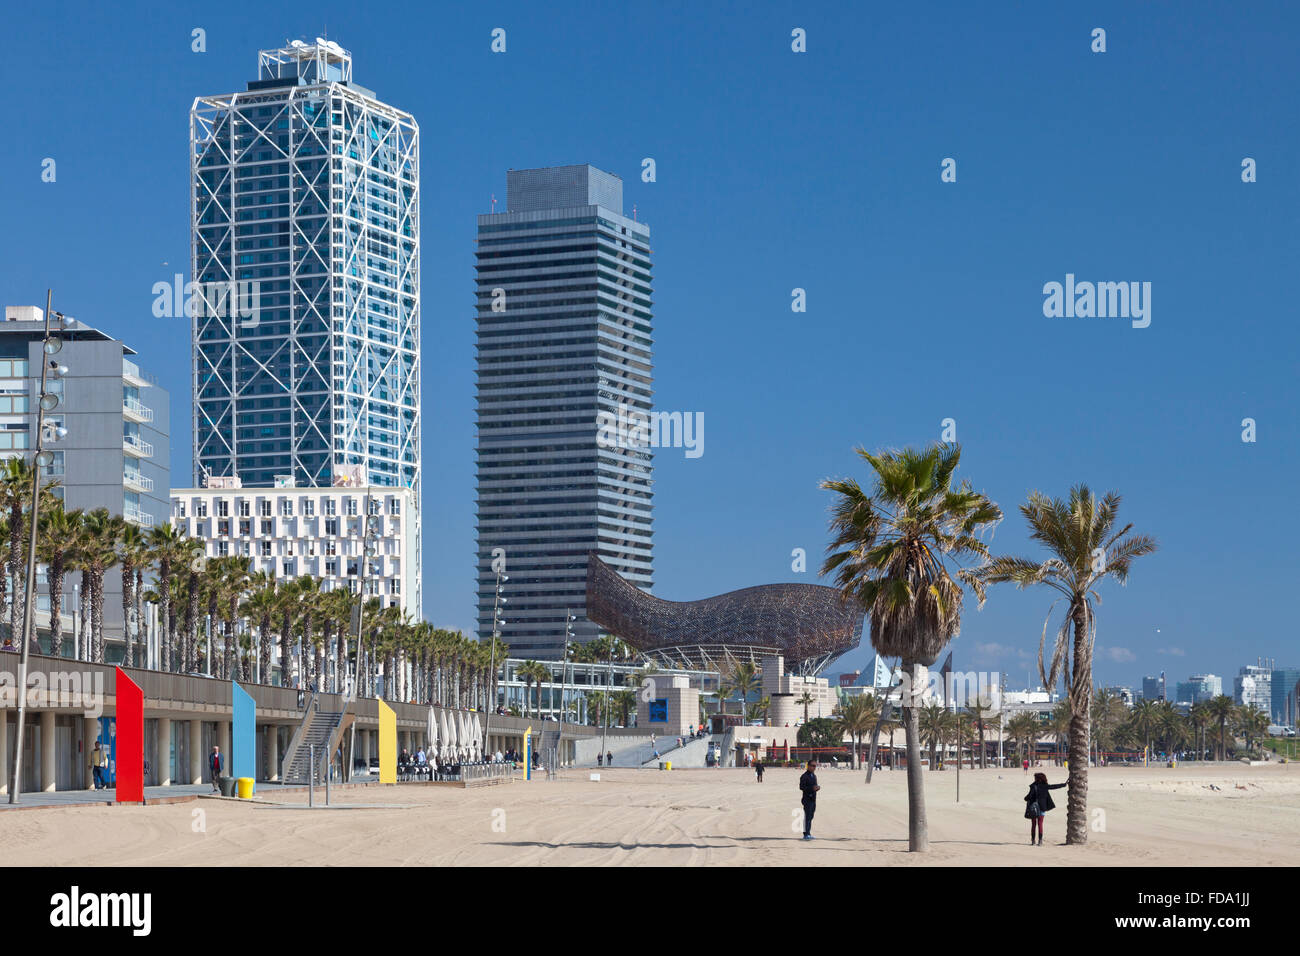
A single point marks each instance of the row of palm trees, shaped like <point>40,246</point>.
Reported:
<point>906,549</point>
<point>217,616</point>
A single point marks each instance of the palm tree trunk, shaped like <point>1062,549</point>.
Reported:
<point>918,833</point>
<point>128,602</point>
<point>56,607</point>
<point>1076,814</point>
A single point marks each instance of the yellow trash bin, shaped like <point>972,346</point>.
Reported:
<point>244,787</point>
<point>668,765</point>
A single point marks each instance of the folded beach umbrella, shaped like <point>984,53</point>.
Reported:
<point>431,729</point>
<point>444,734</point>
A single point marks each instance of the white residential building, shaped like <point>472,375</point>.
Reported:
<point>320,532</point>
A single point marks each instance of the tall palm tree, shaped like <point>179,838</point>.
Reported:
<point>1085,548</point>
<point>1253,724</point>
<point>262,607</point>
<point>57,545</point>
<point>934,722</point>
<point>132,547</point>
<point>167,546</point>
<point>1222,710</point>
<point>16,504</point>
<point>1145,722</point>
<point>1025,730</point>
<point>857,718</point>
<point>103,531</point>
<point>983,714</point>
<point>806,700</point>
<point>233,589</point>
<point>1058,725</point>
<point>898,553</point>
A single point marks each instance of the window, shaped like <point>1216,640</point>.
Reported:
<point>288,569</point>
<point>264,507</point>
<point>243,507</point>
<point>332,527</point>
<point>328,507</point>
<point>264,548</point>
<point>394,506</point>
<point>286,507</point>
<point>223,529</point>
<point>331,568</point>
<point>308,507</point>
<point>13,404</point>
<point>200,508</point>
<point>245,528</point>
<point>331,548</point>
<point>180,509</point>
<point>351,505</point>
<point>395,586</point>
<point>266,529</point>
<point>13,368</point>
<point>223,549</point>
<point>374,508</point>
<point>223,508</point>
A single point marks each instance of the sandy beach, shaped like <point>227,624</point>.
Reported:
<point>1151,817</point>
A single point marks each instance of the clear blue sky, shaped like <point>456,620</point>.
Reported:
<point>779,170</point>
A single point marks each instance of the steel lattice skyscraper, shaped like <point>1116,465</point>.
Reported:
<point>564,334</point>
<point>308,186</point>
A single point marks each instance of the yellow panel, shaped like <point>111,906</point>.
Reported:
<point>387,744</point>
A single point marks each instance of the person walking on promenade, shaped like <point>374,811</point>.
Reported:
<point>215,765</point>
<point>808,788</point>
<point>98,764</point>
<point>609,759</point>
<point>758,769</point>
<point>1037,802</point>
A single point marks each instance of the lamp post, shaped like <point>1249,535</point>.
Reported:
<point>564,664</point>
<point>368,550</point>
<point>498,600</point>
<point>50,346</point>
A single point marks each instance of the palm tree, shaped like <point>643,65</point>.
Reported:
<point>1025,730</point>
<point>857,718</point>
<point>1222,710</point>
<point>933,722</point>
<point>1085,549</point>
<point>167,546</point>
<point>57,547</point>
<point>982,714</point>
<point>1108,713</point>
<point>236,575</point>
<point>1253,724</point>
<point>15,504</point>
<point>743,679</point>
<point>100,553</point>
<point>1058,725</point>
<point>132,547</point>
<point>890,554</point>
<point>805,699</point>
<point>1147,720</point>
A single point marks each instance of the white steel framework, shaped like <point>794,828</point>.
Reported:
<point>308,187</point>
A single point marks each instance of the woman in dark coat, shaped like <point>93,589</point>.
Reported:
<point>1037,802</point>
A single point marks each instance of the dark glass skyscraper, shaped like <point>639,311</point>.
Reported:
<point>564,335</point>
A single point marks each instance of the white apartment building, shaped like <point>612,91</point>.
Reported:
<point>290,531</point>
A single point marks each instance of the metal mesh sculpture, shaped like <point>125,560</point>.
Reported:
<point>804,622</point>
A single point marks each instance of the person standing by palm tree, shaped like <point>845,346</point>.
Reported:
<point>1037,802</point>
<point>1085,548</point>
<point>898,554</point>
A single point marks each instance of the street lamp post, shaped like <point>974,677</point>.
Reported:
<point>50,345</point>
<point>564,664</point>
<point>368,551</point>
<point>498,600</point>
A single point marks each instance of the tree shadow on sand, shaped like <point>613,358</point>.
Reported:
<point>615,846</point>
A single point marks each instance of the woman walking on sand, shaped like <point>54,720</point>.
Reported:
<point>1037,802</point>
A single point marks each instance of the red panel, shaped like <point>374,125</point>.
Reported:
<point>130,740</point>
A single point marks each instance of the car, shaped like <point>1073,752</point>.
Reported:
<point>374,766</point>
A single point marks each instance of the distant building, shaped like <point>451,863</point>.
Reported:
<point>1125,694</point>
<point>1253,687</point>
<point>115,453</point>
<point>1285,706</point>
<point>1198,688</point>
<point>1153,688</point>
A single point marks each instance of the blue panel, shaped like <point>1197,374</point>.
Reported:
<point>243,737</point>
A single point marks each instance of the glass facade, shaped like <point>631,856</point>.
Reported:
<point>305,229</point>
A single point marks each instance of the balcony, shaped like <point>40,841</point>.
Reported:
<point>134,515</point>
<point>136,411</point>
<point>131,375</point>
<point>135,481</point>
<point>136,446</point>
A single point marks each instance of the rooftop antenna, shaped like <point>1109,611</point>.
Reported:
<point>634,212</point>
<point>494,203</point>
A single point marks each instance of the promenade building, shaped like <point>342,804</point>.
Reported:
<point>564,336</point>
<point>1284,689</point>
<point>319,532</point>
<point>116,450</point>
<point>305,251</point>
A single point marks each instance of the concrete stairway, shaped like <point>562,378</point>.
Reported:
<point>317,728</point>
